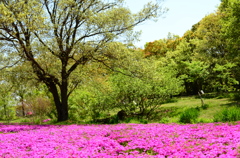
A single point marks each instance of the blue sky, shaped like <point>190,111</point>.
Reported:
<point>181,16</point>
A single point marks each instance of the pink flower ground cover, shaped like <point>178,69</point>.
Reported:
<point>122,140</point>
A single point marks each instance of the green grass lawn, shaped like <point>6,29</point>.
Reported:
<point>166,113</point>
<point>188,102</point>
<point>215,105</point>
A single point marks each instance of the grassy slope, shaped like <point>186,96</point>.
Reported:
<point>215,105</point>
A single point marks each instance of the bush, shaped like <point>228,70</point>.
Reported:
<point>114,119</point>
<point>204,120</point>
<point>38,121</point>
<point>164,120</point>
<point>189,115</point>
<point>91,102</point>
<point>145,91</point>
<point>205,106</point>
<point>136,120</point>
<point>228,115</point>
<point>235,96</point>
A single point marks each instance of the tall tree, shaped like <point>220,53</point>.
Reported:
<point>230,11</point>
<point>59,36</point>
<point>211,48</point>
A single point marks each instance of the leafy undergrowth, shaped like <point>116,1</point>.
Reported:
<point>169,112</point>
<point>121,140</point>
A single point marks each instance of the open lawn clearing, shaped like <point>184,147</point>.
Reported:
<point>215,105</point>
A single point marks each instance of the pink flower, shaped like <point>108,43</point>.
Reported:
<point>29,113</point>
<point>46,120</point>
<point>122,140</point>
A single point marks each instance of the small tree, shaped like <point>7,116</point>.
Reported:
<point>7,111</point>
<point>147,86</point>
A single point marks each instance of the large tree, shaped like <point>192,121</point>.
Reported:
<point>58,37</point>
<point>230,22</point>
<point>230,11</point>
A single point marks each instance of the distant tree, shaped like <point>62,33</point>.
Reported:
<point>189,68</point>
<point>230,22</point>
<point>202,58</point>
<point>212,48</point>
<point>209,40</point>
<point>230,11</point>
<point>5,99</point>
<point>57,37</point>
<point>21,79</point>
<point>161,47</point>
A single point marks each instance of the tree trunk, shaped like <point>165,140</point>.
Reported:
<point>5,109</point>
<point>61,104</point>
<point>23,108</point>
<point>63,111</point>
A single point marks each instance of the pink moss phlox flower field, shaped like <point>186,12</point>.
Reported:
<point>122,140</point>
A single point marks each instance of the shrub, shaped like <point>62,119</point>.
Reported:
<point>235,96</point>
<point>164,120</point>
<point>114,119</point>
<point>205,106</point>
<point>228,115</point>
<point>189,116</point>
<point>136,120</point>
<point>142,93</point>
<point>38,121</point>
<point>204,120</point>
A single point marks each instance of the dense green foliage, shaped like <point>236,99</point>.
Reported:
<point>203,57</point>
<point>228,115</point>
<point>146,89</point>
<point>189,115</point>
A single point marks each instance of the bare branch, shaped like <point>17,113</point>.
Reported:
<point>111,68</point>
<point>9,66</point>
<point>44,44</point>
<point>82,61</point>
<point>71,90</point>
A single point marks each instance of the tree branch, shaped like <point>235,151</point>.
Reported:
<point>44,44</point>
<point>9,66</point>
